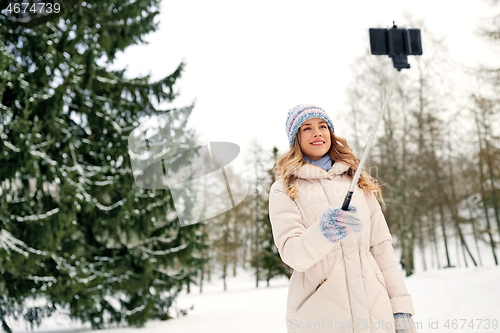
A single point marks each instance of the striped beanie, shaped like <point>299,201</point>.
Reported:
<point>300,113</point>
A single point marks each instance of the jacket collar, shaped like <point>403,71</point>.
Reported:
<point>311,171</point>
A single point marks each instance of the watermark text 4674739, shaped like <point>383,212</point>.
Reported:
<point>33,7</point>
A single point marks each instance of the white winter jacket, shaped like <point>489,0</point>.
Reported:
<point>354,285</point>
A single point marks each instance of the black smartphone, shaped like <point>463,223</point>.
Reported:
<point>395,41</point>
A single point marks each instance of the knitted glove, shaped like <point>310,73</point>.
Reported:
<point>336,224</point>
<point>404,323</point>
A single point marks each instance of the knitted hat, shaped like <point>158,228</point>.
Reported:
<point>300,113</point>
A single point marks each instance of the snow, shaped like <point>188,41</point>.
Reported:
<point>106,80</point>
<point>9,242</point>
<point>83,195</point>
<point>36,217</point>
<point>165,252</point>
<point>11,146</point>
<point>458,296</point>
<point>43,156</point>
<point>153,239</point>
<point>113,206</point>
<point>43,278</point>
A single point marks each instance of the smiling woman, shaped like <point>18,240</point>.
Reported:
<point>314,138</point>
<point>345,270</point>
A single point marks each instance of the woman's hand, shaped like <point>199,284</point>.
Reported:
<point>336,223</point>
<point>404,323</point>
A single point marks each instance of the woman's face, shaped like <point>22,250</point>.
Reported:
<point>314,138</point>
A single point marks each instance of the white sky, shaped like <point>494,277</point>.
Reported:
<point>248,62</point>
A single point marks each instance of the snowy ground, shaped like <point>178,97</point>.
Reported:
<point>459,296</point>
<point>460,299</point>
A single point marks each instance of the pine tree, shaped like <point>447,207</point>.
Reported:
<point>268,258</point>
<point>75,228</point>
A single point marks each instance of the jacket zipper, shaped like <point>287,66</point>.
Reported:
<point>311,293</point>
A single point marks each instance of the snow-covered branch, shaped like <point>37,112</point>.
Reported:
<point>164,252</point>
<point>9,242</point>
<point>43,278</point>
<point>43,156</point>
<point>7,143</point>
<point>152,239</point>
<point>37,217</point>
<point>90,199</point>
<point>172,275</point>
<point>125,276</point>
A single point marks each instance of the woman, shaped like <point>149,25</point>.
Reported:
<point>346,277</point>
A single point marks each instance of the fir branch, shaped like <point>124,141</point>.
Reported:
<point>36,217</point>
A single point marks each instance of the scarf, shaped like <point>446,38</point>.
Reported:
<point>325,162</point>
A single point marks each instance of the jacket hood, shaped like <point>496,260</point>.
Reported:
<point>311,171</point>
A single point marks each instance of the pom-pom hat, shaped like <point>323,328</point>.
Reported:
<point>299,114</point>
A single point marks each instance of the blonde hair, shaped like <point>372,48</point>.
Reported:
<point>293,160</point>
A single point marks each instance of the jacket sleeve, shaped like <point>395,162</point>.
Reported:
<point>299,248</point>
<point>383,252</point>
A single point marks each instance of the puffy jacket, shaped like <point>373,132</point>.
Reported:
<point>354,285</point>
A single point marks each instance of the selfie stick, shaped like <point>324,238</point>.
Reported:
<point>397,44</point>
<point>348,197</point>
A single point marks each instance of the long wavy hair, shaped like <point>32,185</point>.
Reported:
<point>293,160</point>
